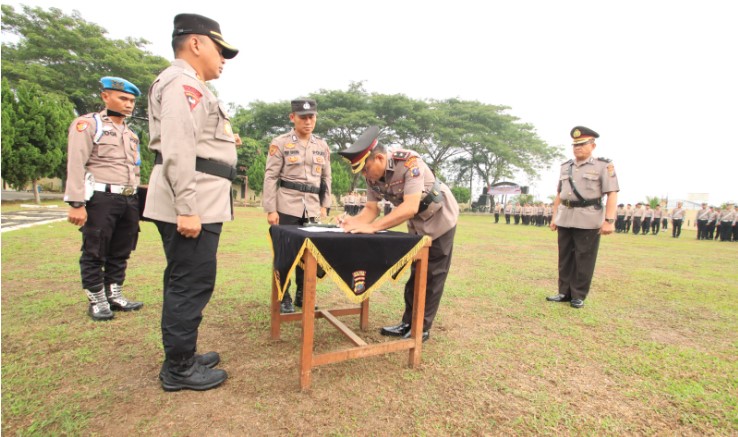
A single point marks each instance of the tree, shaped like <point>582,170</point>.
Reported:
<point>461,194</point>
<point>68,55</point>
<point>39,138</point>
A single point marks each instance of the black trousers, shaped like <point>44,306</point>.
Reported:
<point>702,229</point>
<point>189,280</point>
<point>628,221</point>
<point>676,230</point>
<point>710,230</point>
<point>577,257</point>
<point>665,224</point>
<point>507,219</point>
<point>108,237</point>
<point>517,219</point>
<point>439,262</point>
<point>726,231</point>
<point>620,223</point>
<point>636,225</point>
<point>646,226</point>
<point>285,219</point>
<point>497,217</point>
<point>655,226</point>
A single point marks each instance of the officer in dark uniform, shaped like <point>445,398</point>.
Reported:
<point>189,193</point>
<point>103,172</point>
<point>297,180</point>
<point>579,215</point>
<point>421,200</point>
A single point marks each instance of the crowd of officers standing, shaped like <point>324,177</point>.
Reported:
<point>713,223</point>
<point>531,214</point>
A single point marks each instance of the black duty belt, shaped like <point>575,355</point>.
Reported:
<point>582,203</point>
<point>208,166</point>
<point>434,196</point>
<point>305,188</point>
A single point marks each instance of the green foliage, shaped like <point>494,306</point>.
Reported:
<point>37,143</point>
<point>462,194</point>
<point>653,202</point>
<point>68,55</point>
<point>255,173</point>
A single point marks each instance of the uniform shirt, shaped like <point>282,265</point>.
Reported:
<point>592,178</point>
<point>657,213</point>
<point>677,213</point>
<point>703,214</point>
<point>727,216</point>
<point>638,212</point>
<point>628,213</point>
<point>405,174</point>
<point>186,121</point>
<point>114,158</point>
<point>648,213</point>
<point>620,212</point>
<point>508,209</point>
<point>291,160</point>
<point>714,216</point>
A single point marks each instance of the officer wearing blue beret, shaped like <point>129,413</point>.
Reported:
<point>103,172</point>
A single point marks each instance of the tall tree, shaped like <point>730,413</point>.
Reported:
<point>39,138</point>
<point>68,55</point>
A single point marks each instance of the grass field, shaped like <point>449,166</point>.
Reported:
<point>653,352</point>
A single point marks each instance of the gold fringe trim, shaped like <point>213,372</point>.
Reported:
<point>283,289</point>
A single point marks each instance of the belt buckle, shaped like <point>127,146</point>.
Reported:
<point>567,202</point>
<point>128,190</point>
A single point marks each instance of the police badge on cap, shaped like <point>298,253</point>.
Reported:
<point>581,134</point>
<point>304,106</point>
<point>185,24</point>
<point>357,154</point>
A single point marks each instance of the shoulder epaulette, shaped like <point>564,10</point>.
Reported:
<point>401,155</point>
<point>567,162</point>
<point>604,159</point>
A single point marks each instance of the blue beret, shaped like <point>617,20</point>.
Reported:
<point>119,84</point>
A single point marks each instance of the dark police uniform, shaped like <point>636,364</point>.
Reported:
<point>196,156</point>
<point>406,174</point>
<point>579,217</point>
<point>295,174</point>
<point>104,162</point>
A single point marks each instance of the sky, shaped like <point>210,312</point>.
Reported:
<point>656,79</point>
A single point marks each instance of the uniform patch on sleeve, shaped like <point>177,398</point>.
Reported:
<point>82,126</point>
<point>192,95</point>
<point>411,162</point>
<point>611,170</point>
<point>415,172</point>
<point>273,149</point>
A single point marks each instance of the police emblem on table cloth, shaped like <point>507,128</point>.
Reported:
<point>358,283</point>
<point>192,95</point>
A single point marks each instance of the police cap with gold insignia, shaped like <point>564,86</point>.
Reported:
<point>119,84</point>
<point>582,134</point>
<point>359,151</point>
<point>185,24</point>
<point>304,106</point>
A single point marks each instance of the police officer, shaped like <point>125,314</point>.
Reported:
<point>297,180</point>
<point>421,200</point>
<point>189,193</point>
<point>508,212</point>
<point>647,217</point>
<point>628,217</point>
<point>727,220</point>
<point>103,172</point>
<point>656,222</point>
<point>637,217</point>
<point>498,209</point>
<point>620,220</point>
<point>580,217</point>
<point>518,211</point>
<point>677,217</point>
<point>703,215</point>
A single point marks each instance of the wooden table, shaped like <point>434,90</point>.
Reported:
<point>310,359</point>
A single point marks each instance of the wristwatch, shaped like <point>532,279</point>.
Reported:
<point>76,204</point>
<point>611,221</point>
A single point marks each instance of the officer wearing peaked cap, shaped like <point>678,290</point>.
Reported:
<point>421,200</point>
<point>103,172</point>
<point>189,193</point>
<point>297,180</point>
<point>579,216</point>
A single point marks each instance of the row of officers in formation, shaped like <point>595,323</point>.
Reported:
<point>713,223</point>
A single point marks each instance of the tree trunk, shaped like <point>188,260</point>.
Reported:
<point>36,194</point>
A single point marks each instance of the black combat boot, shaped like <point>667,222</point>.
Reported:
<point>99,308</point>
<point>116,300</point>
<point>190,374</point>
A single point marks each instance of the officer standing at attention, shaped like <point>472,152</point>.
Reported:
<point>297,180</point>
<point>103,172</point>
<point>421,200</point>
<point>637,217</point>
<point>508,211</point>
<point>677,217</point>
<point>702,216</point>
<point>189,194</point>
<point>628,217</point>
<point>579,216</point>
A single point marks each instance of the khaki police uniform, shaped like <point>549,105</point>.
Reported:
<point>187,123</point>
<point>578,226</point>
<point>637,218</point>
<point>111,154</point>
<point>677,217</point>
<point>406,174</point>
<point>508,212</point>
<point>703,215</point>
<point>295,162</point>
